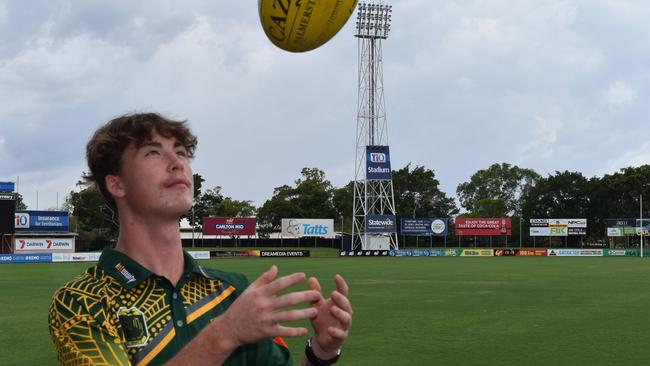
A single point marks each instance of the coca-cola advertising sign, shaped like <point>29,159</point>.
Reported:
<point>229,226</point>
<point>483,226</point>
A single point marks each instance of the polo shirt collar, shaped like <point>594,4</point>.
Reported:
<point>131,273</point>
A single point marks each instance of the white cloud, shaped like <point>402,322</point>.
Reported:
<point>543,139</point>
<point>629,156</point>
<point>547,85</point>
<point>3,12</point>
<point>620,94</point>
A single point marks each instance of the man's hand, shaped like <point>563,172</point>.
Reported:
<point>257,313</point>
<point>333,320</point>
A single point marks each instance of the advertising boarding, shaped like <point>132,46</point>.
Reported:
<point>424,227</point>
<point>43,244</point>
<point>6,186</point>
<point>298,228</point>
<point>381,224</point>
<point>30,221</point>
<point>378,163</point>
<point>558,227</point>
<point>483,226</point>
<point>229,226</point>
<point>627,227</point>
<point>575,252</point>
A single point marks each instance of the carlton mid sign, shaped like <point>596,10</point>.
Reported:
<point>297,228</point>
<point>483,226</point>
<point>229,226</point>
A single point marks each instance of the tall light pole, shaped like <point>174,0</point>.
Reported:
<point>641,222</point>
<point>192,223</point>
<point>373,191</point>
<point>520,229</point>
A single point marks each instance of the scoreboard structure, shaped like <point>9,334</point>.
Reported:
<point>7,221</point>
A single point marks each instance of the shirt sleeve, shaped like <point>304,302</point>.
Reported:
<point>267,352</point>
<point>79,339</point>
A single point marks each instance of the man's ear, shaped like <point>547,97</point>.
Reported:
<point>114,186</point>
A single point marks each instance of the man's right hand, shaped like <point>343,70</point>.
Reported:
<point>258,314</point>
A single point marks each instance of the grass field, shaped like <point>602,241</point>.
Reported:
<point>421,311</point>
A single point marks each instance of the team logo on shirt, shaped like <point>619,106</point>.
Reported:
<point>134,326</point>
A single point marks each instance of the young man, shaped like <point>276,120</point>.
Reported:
<point>148,302</point>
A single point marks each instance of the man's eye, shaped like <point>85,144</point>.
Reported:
<point>152,152</point>
<point>181,153</point>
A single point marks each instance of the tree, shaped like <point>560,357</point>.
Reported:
<point>213,203</point>
<point>93,216</point>
<point>342,200</point>
<point>562,195</point>
<point>198,184</point>
<point>310,198</point>
<point>617,196</point>
<point>20,204</point>
<point>204,205</point>
<point>490,207</point>
<point>500,181</point>
<point>417,194</point>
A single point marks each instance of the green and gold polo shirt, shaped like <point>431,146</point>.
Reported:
<point>120,313</point>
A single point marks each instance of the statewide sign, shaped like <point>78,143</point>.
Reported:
<point>380,224</point>
<point>378,163</point>
<point>483,226</point>
<point>43,244</point>
<point>424,227</point>
<point>298,228</point>
<point>558,227</point>
<point>229,225</point>
<point>41,221</point>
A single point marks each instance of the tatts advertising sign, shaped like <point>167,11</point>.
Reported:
<point>378,163</point>
<point>483,226</point>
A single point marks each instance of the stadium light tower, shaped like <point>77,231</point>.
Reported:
<point>373,218</point>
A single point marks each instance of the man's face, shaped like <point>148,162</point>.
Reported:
<point>156,179</point>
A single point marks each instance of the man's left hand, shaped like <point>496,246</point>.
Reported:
<point>332,323</point>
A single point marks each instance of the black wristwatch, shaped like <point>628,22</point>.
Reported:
<point>315,361</point>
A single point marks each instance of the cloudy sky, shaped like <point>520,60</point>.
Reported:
<point>543,84</point>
